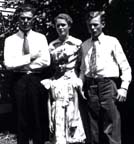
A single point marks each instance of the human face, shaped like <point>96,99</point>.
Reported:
<point>95,26</point>
<point>62,28</point>
<point>25,21</point>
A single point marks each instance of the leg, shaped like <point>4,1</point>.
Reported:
<point>110,118</point>
<point>38,97</point>
<point>91,92</point>
<point>22,111</point>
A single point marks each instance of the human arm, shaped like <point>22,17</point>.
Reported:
<point>13,57</point>
<point>82,74</point>
<point>47,85</point>
<point>82,65</point>
<point>51,128</point>
<point>125,71</point>
<point>37,58</point>
<point>42,58</point>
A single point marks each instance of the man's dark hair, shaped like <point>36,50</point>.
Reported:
<point>26,8</point>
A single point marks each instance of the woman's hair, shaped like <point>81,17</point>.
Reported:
<point>64,16</point>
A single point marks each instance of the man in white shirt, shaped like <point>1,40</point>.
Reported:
<point>102,61</point>
<point>26,54</point>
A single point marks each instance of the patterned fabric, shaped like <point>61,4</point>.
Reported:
<point>64,55</point>
<point>68,127</point>
<point>110,59</point>
<point>92,63</point>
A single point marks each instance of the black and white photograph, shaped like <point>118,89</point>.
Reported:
<point>66,71</point>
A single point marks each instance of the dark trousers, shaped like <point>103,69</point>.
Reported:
<point>103,115</point>
<point>32,111</point>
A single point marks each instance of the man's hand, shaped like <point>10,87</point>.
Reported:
<point>122,95</point>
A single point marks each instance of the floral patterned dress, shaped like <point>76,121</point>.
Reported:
<point>65,115</point>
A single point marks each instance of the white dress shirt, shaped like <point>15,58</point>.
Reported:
<point>109,59</point>
<point>38,46</point>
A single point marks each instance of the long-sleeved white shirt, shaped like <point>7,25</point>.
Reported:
<point>109,59</point>
<point>13,51</point>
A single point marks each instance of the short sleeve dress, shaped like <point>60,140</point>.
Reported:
<point>68,127</point>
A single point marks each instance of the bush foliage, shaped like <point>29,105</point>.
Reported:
<point>119,19</point>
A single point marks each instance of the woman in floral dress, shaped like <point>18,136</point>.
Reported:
<point>64,116</point>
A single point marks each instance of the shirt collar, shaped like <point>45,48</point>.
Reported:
<point>67,39</point>
<point>100,37</point>
<point>21,33</point>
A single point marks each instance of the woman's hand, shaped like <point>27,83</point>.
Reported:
<point>78,84</point>
<point>51,126</point>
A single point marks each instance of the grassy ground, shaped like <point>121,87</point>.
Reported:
<point>7,138</point>
<point>7,128</point>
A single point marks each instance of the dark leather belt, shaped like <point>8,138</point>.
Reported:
<point>25,72</point>
<point>102,79</point>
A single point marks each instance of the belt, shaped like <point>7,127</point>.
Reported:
<point>101,79</point>
<point>25,72</point>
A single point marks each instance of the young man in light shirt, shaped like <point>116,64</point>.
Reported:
<point>99,74</point>
<point>26,55</point>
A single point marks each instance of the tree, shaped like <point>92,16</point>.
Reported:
<point>119,18</point>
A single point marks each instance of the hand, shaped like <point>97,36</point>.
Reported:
<point>80,86</point>
<point>82,93</point>
<point>51,127</point>
<point>77,82</point>
<point>80,83</point>
<point>122,95</point>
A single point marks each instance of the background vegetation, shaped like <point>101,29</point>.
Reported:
<point>119,23</point>
<point>119,19</point>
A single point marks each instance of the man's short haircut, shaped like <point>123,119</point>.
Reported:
<point>92,14</point>
<point>27,8</point>
<point>66,17</point>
